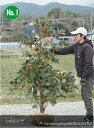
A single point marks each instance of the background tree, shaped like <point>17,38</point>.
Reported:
<point>56,13</point>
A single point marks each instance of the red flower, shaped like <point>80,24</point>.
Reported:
<point>35,25</point>
<point>59,33</point>
<point>41,81</point>
<point>17,86</point>
<point>29,65</point>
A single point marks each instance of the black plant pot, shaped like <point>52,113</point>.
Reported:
<point>41,119</point>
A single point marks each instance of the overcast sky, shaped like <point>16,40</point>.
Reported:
<point>43,2</point>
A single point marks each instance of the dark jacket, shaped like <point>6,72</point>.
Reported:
<point>83,57</point>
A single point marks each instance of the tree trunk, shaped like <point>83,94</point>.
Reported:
<point>42,109</point>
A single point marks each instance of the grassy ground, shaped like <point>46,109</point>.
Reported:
<point>9,67</point>
<point>11,52</point>
<point>8,71</point>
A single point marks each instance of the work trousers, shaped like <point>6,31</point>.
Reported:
<point>87,96</point>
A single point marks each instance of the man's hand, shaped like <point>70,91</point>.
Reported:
<point>83,81</point>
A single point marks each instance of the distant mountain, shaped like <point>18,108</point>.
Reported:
<point>40,10</point>
<point>91,5</point>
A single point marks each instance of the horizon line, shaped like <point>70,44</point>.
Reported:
<point>45,4</point>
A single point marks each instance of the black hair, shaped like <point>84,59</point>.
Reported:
<point>82,35</point>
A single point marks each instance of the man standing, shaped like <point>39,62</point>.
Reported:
<point>83,50</point>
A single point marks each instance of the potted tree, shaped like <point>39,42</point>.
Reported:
<point>38,75</point>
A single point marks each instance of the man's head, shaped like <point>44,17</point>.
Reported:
<point>80,34</point>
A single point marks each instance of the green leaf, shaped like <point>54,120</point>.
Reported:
<point>11,82</point>
<point>35,106</point>
<point>32,76</point>
<point>47,84</point>
<point>46,74</point>
<point>50,94</point>
<point>53,101</point>
<point>41,123</point>
<point>35,91</point>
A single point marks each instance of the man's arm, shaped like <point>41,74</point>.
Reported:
<point>65,50</point>
<point>88,68</point>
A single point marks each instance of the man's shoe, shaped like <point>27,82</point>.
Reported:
<point>87,120</point>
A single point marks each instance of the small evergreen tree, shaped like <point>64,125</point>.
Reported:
<point>37,74</point>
